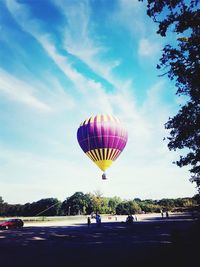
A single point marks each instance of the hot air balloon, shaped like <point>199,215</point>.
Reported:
<point>102,138</point>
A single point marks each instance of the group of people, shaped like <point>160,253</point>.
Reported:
<point>129,220</point>
<point>98,220</point>
<point>164,212</point>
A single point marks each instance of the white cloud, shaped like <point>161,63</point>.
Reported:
<point>131,14</point>
<point>80,41</point>
<point>90,89</point>
<point>56,95</point>
<point>87,87</point>
<point>148,48</point>
<point>77,32</point>
<point>32,26</point>
<point>62,62</point>
<point>37,95</point>
<point>19,91</point>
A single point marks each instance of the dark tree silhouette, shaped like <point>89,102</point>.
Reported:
<point>78,203</point>
<point>181,62</point>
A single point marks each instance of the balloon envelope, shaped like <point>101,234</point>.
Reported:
<point>102,138</point>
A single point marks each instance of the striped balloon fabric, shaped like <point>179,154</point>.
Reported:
<point>102,138</point>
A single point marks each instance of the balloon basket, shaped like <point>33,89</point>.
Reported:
<point>104,176</point>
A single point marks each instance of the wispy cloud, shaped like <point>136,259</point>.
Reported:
<point>32,26</point>
<point>88,87</point>
<point>131,14</point>
<point>80,40</point>
<point>19,91</point>
<point>148,48</point>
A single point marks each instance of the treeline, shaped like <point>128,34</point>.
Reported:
<point>80,203</point>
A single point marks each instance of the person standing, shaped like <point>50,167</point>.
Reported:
<point>98,220</point>
<point>162,213</point>
<point>88,221</point>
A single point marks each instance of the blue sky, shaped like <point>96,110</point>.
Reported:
<point>62,61</point>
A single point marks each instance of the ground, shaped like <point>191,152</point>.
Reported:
<point>151,241</point>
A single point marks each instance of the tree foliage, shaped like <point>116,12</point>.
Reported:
<point>112,204</point>
<point>98,201</point>
<point>78,203</point>
<point>181,62</point>
<point>128,207</point>
<point>47,207</point>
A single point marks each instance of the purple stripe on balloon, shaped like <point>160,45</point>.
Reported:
<point>84,132</point>
<point>121,144</point>
<point>90,134</point>
<point>117,135</point>
<point>96,133</point>
<point>104,132</point>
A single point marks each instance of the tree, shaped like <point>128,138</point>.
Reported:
<point>167,203</point>
<point>2,206</point>
<point>181,62</point>
<point>112,204</point>
<point>127,207</point>
<point>149,205</point>
<point>98,202</point>
<point>78,203</point>
<point>197,198</point>
<point>46,207</point>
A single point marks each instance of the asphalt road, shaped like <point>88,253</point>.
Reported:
<point>152,242</point>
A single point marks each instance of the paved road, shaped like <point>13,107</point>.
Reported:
<point>152,242</point>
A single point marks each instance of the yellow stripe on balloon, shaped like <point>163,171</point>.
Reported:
<point>92,119</point>
<point>90,156</point>
<point>101,154</point>
<point>117,154</point>
<point>98,154</point>
<point>105,118</point>
<point>111,155</point>
<point>105,153</point>
<point>109,152</point>
<point>94,155</point>
<point>111,118</point>
<point>98,118</point>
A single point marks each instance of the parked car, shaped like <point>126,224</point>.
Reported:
<point>12,223</point>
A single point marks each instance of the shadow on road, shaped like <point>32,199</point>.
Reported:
<point>153,243</point>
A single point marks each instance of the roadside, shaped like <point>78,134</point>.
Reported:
<point>82,219</point>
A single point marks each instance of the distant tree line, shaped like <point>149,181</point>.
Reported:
<point>80,204</point>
